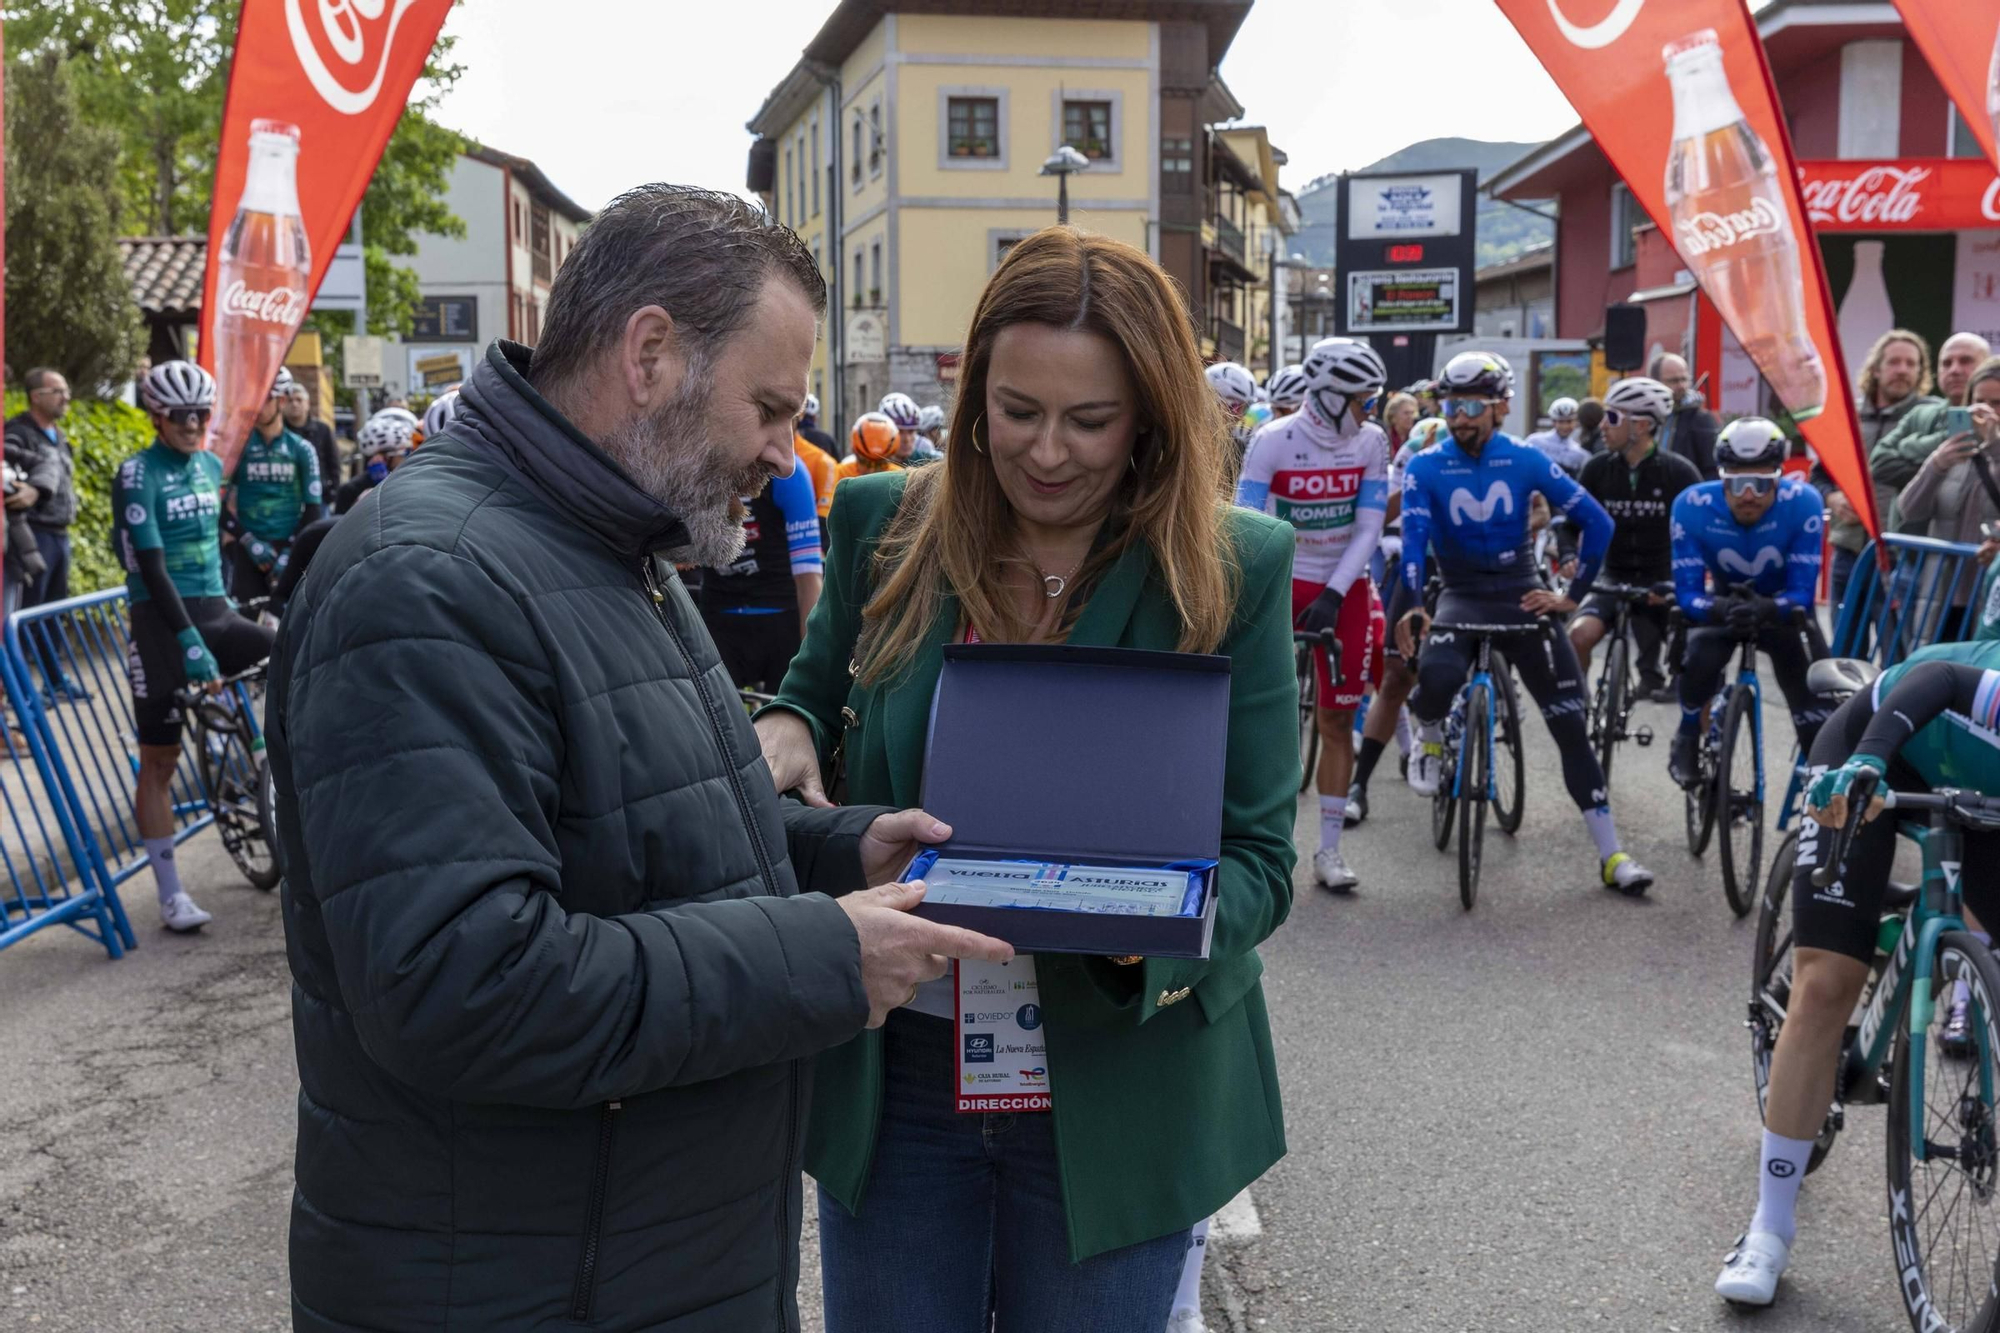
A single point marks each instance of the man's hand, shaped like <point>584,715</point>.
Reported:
<point>196,659</point>
<point>24,497</point>
<point>900,952</point>
<point>261,553</point>
<point>892,840</point>
<point>1542,602</point>
<point>1415,623</point>
<point>1838,509</point>
<point>788,749</point>
<point>1321,614</point>
<point>1988,548</point>
<point>1747,613</point>
<point>1826,799</point>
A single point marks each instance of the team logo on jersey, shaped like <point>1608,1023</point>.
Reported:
<point>1766,557</point>
<point>135,514</point>
<point>1815,523</point>
<point>1316,498</point>
<point>1465,506</point>
<point>1701,497</point>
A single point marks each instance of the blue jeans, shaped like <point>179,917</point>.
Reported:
<point>963,1221</point>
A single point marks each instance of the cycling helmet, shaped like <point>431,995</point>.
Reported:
<point>1641,397</point>
<point>1751,444</point>
<point>441,413</point>
<point>1339,371</point>
<point>282,385</point>
<point>875,436</point>
<point>1563,409</point>
<point>1476,374</point>
<point>1288,387</point>
<point>172,385</point>
<point>811,409</point>
<point>931,419</point>
<point>901,409</point>
<point>1233,385</point>
<point>387,432</point>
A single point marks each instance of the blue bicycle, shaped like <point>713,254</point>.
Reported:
<point>1483,763</point>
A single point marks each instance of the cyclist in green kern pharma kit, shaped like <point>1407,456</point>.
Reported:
<point>166,509</point>
<point>273,493</point>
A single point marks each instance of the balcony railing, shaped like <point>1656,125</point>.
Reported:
<point>1230,237</point>
<point>1228,340</point>
<point>543,269</point>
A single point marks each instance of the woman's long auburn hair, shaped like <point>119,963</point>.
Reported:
<point>955,530</point>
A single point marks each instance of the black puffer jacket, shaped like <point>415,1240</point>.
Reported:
<point>554,978</point>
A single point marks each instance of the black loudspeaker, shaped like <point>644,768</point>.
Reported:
<point>1625,337</point>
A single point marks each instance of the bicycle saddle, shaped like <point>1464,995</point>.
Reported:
<point>1841,675</point>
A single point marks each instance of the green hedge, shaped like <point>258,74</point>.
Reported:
<point>103,434</point>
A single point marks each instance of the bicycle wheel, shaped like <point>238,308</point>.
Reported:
<point>1946,1245</point>
<point>1699,800</point>
<point>233,777</point>
<point>1739,810</point>
<point>1510,764</point>
<point>1477,758</point>
<point>1308,719</point>
<point>267,812</point>
<point>1771,985</point>
<point>1609,716</point>
<point>1444,803</point>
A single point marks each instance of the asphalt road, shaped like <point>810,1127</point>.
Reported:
<point>1534,1116</point>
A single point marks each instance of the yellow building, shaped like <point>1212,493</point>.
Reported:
<point>906,148</point>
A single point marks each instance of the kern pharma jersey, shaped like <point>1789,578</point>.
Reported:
<point>1953,749</point>
<point>1778,556</point>
<point>275,480</point>
<point>165,500</point>
<point>1301,470</point>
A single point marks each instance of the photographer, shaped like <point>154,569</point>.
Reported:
<point>1957,489</point>
<point>23,565</point>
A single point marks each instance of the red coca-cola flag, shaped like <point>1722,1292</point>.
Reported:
<point>1961,39</point>
<point>315,89</point>
<point>1679,97</point>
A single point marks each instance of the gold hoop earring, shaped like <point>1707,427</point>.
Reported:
<point>977,447</point>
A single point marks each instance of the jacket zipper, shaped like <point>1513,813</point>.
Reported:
<point>593,1216</point>
<point>764,867</point>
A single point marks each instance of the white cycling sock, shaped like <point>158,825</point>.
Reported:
<point>1332,818</point>
<point>166,877</point>
<point>1602,831</point>
<point>1781,1169</point>
<point>1187,1296</point>
<point>1403,741</point>
<point>1431,733</point>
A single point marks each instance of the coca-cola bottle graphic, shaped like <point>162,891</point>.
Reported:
<point>1732,227</point>
<point>1993,87</point>
<point>260,289</point>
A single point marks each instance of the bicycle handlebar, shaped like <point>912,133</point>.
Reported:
<point>1329,641</point>
<point>192,695</point>
<point>1633,591</point>
<point>1969,809</point>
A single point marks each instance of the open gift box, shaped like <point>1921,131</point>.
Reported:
<point>1076,756</point>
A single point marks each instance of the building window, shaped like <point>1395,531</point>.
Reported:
<point>786,192</point>
<point>801,206</point>
<point>813,131</point>
<point>1000,242</point>
<point>1625,215</point>
<point>972,126</point>
<point>1960,141</point>
<point>855,170</point>
<point>875,146</point>
<point>875,274</point>
<point>854,280</point>
<point>1087,128</point>
<point>1176,165</point>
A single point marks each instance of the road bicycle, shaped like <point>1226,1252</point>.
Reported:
<point>1483,764</point>
<point>236,782</point>
<point>1944,1130</point>
<point>1618,684</point>
<point>1302,662</point>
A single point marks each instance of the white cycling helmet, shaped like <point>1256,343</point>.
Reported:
<point>1563,409</point>
<point>1640,397</point>
<point>1233,385</point>
<point>282,385</point>
<point>173,385</point>
<point>1288,387</point>
<point>1339,371</point>
<point>811,409</point>
<point>901,409</point>
<point>441,413</point>
<point>1476,375</point>
<point>1751,444</point>
<point>930,419</point>
<point>388,431</point>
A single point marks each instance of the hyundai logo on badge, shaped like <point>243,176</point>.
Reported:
<point>979,1048</point>
<point>1029,1017</point>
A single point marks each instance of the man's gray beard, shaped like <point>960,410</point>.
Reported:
<point>672,458</point>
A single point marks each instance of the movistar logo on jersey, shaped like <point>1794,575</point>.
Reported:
<point>1465,507</point>
<point>1767,557</point>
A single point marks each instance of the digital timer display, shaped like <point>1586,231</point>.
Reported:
<point>1403,254</point>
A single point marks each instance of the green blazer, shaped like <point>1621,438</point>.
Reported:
<point>1163,1109</point>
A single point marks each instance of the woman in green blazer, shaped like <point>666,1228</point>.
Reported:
<point>1084,500</point>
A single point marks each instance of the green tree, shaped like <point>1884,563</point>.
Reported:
<point>68,304</point>
<point>154,72</point>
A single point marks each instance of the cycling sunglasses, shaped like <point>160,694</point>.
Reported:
<point>1612,416</point>
<point>189,416</point>
<point>1750,483</point>
<point>1466,407</point>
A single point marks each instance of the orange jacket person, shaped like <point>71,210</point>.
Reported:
<point>874,441</point>
<point>819,465</point>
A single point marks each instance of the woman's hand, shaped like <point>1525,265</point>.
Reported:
<point>893,840</point>
<point>1954,451</point>
<point>787,743</point>
<point>1985,422</point>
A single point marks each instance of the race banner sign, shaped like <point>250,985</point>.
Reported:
<point>1917,194</point>
<point>1679,98</point>
<point>315,89</point>
<point>1413,301</point>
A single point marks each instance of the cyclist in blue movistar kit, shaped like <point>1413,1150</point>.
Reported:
<point>1760,534</point>
<point>1468,502</point>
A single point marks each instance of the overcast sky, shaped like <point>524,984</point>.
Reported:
<point>603,94</point>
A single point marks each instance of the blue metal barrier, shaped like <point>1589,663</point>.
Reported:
<point>1929,595</point>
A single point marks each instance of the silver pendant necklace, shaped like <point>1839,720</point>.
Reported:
<point>1055,585</point>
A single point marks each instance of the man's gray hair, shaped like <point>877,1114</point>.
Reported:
<point>700,255</point>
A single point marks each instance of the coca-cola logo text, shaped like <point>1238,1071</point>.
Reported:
<point>1597,36</point>
<point>1880,194</point>
<point>1706,231</point>
<point>1989,203</point>
<point>280,305</point>
<point>355,35</point>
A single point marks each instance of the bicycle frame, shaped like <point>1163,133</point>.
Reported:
<point>1746,679</point>
<point>1482,674</point>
